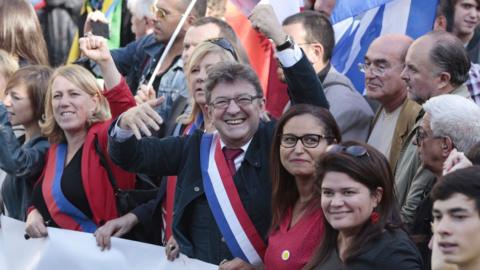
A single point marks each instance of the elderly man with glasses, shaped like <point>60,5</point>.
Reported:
<point>396,116</point>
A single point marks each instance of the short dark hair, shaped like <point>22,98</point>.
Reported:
<point>230,72</point>
<point>227,32</point>
<point>199,10</point>
<point>449,55</point>
<point>318,27</point>
<point>284,189</point>
<point>35,79</point>
<point>463,181</point>
<point>447,8</point>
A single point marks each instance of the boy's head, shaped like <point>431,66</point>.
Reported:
<point>456,214</point>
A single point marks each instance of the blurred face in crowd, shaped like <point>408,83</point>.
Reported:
<point>313,50</point>
<point>72,107</point>
<point>236,123</point>
<point>466,18</point>
<point>195,35</point>
<point>420,74</point>
<point>347,203</point>
<point>198,75</point>
<point>141,26</point>
<point>326,6</point>
<point>19,106</point>
<point>433,151</point>
<point>383,66</point>
<point>300,159</point>
<point>456,223</point>
<point>167,15</point>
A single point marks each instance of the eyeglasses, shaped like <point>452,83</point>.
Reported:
<point>354,150</point>
<point>159,13</point>
<point>308,140</point>
<point>224,44</point>
<point>241,100</point>
<point>421,135</point>
<point>376,70</point>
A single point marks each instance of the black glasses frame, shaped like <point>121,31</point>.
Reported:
<point>222,103</point>
<point>318,137</point>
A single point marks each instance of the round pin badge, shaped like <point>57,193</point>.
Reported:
<point>285,255</point>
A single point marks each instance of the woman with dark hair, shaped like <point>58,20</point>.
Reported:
<point>358,200</point>
<point>301,137</point>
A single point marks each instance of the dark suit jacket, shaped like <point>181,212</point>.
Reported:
<point>193,225</point>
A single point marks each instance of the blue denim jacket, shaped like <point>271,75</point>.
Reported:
<point>137,61</point>
<point>23,165</point>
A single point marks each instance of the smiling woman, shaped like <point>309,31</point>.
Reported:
<point>74,191</point>
<point>301,137</point>
<point>363,228</point>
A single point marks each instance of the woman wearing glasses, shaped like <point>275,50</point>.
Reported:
<point>362,228</point>
<point>301,137</point>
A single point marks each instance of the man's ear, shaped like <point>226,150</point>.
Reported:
<point>444,79</point>
<point>447,146</point>
<point>188,22</point>
<point>318,50</point>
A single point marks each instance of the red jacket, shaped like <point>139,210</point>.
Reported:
<point>95,180</point>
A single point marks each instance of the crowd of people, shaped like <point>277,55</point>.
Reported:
<point>387,180</point>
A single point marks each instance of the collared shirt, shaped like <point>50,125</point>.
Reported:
<point>238,160</point>
<point>473,83</point>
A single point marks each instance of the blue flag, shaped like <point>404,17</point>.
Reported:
<point>347,8</point>
<point>354,35</point>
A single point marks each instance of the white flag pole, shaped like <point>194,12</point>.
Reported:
<point>170,42</point>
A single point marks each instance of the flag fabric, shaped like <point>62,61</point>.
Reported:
<point>347,8</point>
<point>354,35</point>
<point>259,49</point>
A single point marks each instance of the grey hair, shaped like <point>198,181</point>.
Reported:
<point>456,117</point>
<point>141,8</point>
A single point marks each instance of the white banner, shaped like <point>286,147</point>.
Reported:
<point>65,249</point>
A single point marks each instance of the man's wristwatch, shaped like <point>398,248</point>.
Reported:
<point>286,45</point>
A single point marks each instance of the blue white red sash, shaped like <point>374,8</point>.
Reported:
<point>237,228</point>
<point>63,212</point>
<point>172,183</point>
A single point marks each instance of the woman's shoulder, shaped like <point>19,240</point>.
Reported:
<point>395,250</point>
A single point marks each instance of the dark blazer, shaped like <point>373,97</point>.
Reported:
<point>194,227</point>
<point>393,251</point>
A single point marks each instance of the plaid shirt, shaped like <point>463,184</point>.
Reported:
<point>473,83</point>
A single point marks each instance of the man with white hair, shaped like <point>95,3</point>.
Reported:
<point>143,19</point>
<point>450,122</point>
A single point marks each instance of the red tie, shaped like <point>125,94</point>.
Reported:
<point>230,156</point>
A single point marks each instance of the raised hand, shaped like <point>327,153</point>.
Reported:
<point>145,94</point>
<point>263,19</point>
<point>142,118</point>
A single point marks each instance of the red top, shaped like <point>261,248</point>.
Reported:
<point>291,248</point>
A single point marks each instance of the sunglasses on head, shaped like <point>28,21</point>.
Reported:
<point>354,150</point>
<point>224,44</point>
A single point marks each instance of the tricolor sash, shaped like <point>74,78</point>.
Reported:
<point>172,183</point>
<point>237,228</point>
<point>62,211</point>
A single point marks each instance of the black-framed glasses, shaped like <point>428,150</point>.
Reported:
<point>421,135</point>
<point>224,44</point>
<point>353,150</point>
<point>308,140</point>
<point>241,100</point>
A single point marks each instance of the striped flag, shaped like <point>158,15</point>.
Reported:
<point>355,33</point>
<point>259,49</point>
